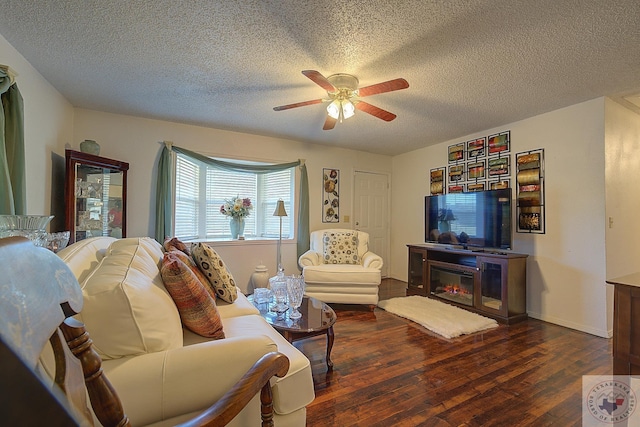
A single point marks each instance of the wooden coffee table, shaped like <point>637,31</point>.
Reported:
<point>317,319</point>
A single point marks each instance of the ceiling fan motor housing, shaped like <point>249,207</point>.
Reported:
<point>344,81</point>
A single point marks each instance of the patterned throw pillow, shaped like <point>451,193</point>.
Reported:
<point>175,244</point>
<point>189,262</point>
<point>197,308</point>
<point>214,269</point>
<point>340,247</point>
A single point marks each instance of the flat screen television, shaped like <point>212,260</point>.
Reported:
<point>472,220</point>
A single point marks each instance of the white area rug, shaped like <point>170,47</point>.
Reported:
<point>441,318</point>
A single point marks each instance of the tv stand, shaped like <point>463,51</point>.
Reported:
<point>485,281</point>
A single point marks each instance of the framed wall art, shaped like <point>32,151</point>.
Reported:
<point>438,181</point>
<point>331,195</point>
<point>500,184</point>
<point>499,143</point>
<point>530,191</point>
<point>456,173</point>
<point>476,186</point>
<point>456,153</point>
<point>499,166</point>
<point>456,188</point>
<point>476,170</point>
<point>476,148</point>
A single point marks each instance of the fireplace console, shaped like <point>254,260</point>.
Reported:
<point>488,282</point>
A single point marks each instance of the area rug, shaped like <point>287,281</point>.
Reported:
<point>441,318</point>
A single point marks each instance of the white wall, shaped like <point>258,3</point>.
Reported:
<point>137,141</point>
<point>48,122</point>
<point>566,266</point>
<point>622,170</point>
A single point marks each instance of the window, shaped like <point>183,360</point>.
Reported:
<point>201,190</point>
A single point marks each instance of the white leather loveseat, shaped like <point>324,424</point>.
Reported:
<point>162,372</point>
<point>340,268</point>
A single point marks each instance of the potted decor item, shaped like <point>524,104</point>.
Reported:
<point>90,146</point>
<point>237,209</point>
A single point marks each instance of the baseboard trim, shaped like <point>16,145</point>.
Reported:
<point>603,333</point>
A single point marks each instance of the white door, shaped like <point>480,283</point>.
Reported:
<point>371,211</point>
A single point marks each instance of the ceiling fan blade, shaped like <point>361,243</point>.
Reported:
<point>320,80</point>
<point>383,87</point>
<point>330,123</point>
<point>298,104</point>
<point>375,111</point>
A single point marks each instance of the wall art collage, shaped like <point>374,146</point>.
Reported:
<point>331,195</point>
<point>485,164</point>
<point>476,165</point>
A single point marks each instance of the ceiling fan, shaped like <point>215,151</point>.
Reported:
<point>344,95</point>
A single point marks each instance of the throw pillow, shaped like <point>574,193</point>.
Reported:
<point>340,247</point>
<point>214,269</point>
<point>197,308</point>
<point>189,262</point>
<point>175,244</point>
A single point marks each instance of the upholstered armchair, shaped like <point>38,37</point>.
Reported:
<point>340,268</point>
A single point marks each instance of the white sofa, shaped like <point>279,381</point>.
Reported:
<point>164,373</point>
<point>350,277</point>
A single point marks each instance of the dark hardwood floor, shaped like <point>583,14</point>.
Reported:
<point>392,372</point>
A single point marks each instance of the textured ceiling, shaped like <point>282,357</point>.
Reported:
<point>471,65</point>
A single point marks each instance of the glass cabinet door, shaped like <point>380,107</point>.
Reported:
<point>417,263</point>
<point>491,283</point>
<point>95,195</point>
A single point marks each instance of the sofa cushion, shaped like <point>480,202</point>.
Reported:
<point>340,247</point>
<point>126,306</point>
<point>189,262</point>
<point>196,306</point>
<point>341,274</point>
<point>294,390</point>
<point>174,243</point>
<point>240,307</point>
<point>84,256</point>
<point>216,272</point>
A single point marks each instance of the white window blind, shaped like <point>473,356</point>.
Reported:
<point>201,190</point>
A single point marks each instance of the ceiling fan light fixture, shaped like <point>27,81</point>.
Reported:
<point>333,109</point>
<point>348,109</point>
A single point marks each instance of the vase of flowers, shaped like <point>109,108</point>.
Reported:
<point>237,209</point>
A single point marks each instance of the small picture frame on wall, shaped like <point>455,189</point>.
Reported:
<point>500,184</point>
<point>499,166</point>
<point>476,170</point>
<point>456,153</point>
<point>330,195</point>
<point>475,186</point>
<point>456,173</point>
<point>476,148</point>
<point>499,143</point>
<point>438,180</point>
<point>457,188</point>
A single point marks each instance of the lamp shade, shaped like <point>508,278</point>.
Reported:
<point>333,109</point>
<point>280,209</point>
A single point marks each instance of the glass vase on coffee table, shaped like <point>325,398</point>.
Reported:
<point>278,285</point>
<point>295,291</point>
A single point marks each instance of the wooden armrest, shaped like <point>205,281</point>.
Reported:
<point>256,379</point>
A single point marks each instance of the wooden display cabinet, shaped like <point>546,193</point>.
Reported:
<point>491,283</point>
<point>95,196</point>
<point>626,316</point>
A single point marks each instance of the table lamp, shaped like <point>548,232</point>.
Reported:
<point>280,212</point>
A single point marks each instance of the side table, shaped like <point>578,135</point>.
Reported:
<point>317,319</point>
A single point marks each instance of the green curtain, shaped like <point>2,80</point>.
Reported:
<point>164,209</point>
<point>13,184</point>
